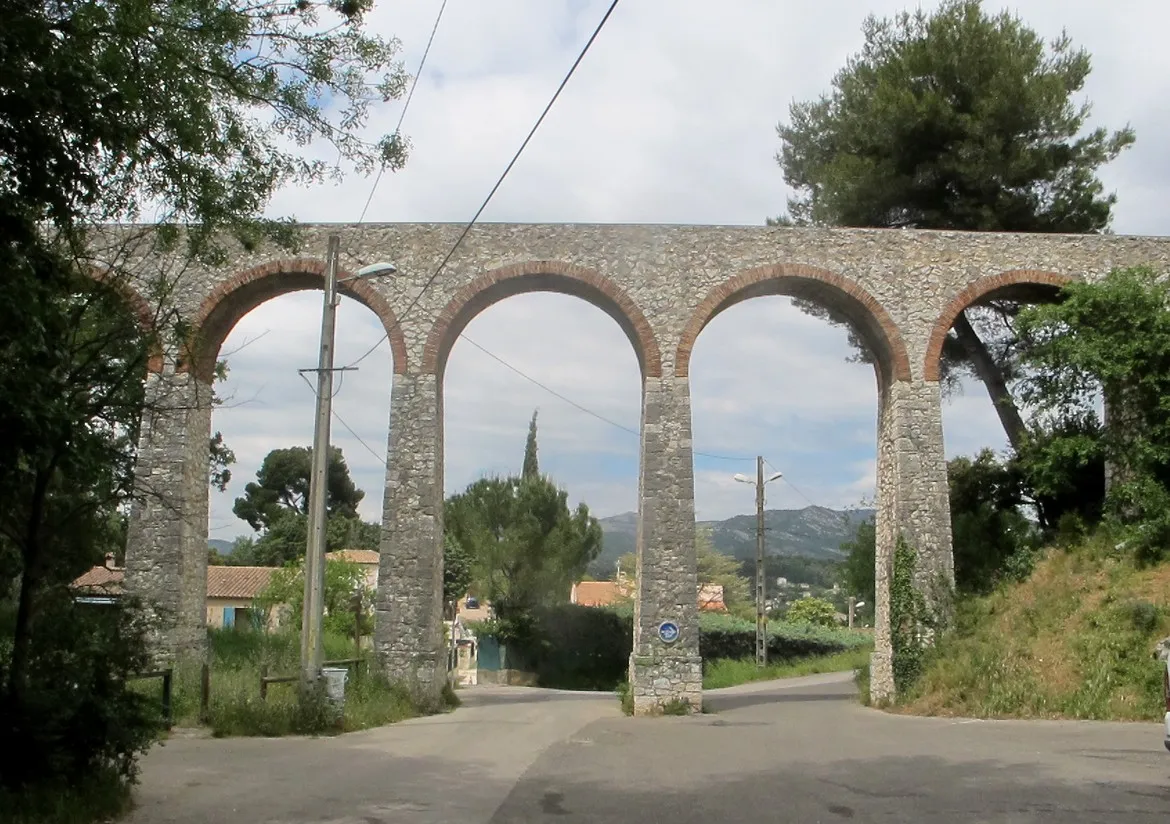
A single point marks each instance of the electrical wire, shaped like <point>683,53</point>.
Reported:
<point>466,229</point>
<point>785,479</point>
<point>380,458</point>
<point>405,106</point>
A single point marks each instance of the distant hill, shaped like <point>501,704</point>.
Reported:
<point>813,532</point>
<point>221,546</point>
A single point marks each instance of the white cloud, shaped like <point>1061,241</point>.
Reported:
<point>670,118</point>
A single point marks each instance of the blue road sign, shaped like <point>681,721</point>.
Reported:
<point>668,632</point>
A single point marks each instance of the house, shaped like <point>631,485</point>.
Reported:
<point>606,593</point>
<point>367,559</point>
<point>598,593</point>
<point>711,598</point>
<point>231,591</point>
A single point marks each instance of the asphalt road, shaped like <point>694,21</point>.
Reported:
<point>788,751</point>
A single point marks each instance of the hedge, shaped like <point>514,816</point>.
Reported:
<point>577,647</point>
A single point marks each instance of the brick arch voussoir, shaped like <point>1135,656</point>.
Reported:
<point>141,309</point>
<point>718,299</point>
<point>202,362</point>
<point>971,295</point>
<point>439,342</point>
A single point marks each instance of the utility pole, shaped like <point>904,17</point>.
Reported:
<point>313,611</point>
<point>761,580</point>
<point>314,604</point>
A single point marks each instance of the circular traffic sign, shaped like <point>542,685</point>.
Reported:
<point>668,631</point>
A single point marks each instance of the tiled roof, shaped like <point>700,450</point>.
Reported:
<point>711,598</point>
<point>222,581</point>
<point>102,578</point>
<point>356,556</point>
<point>597,593</point>
<point>237,581</point>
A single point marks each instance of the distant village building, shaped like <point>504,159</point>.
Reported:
<point>367,559</point>
<point>231,592</point>
<point>606,593</point>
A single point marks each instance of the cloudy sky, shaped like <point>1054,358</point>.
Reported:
<point>670,119</point>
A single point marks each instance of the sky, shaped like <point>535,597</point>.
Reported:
<point>670,118</point>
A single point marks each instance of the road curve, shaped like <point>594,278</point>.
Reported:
<point>799,750</point>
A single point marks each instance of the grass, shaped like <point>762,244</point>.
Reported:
<point>1075,640</point>
<point>236,709</point>
<point>101,797</point>
<point>730,672</point>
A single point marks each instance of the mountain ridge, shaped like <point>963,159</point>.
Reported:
<point>814,532</point>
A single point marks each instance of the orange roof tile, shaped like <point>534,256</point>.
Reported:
<point>102,578</point>
<point>237,581</point>
<point>598,593</point>
<point>356,556</point>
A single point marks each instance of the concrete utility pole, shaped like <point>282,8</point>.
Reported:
<point>313,610</point>
<point>761,583</point>
<point>761,579</point>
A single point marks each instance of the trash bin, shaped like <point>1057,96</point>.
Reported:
<point>335,678</point>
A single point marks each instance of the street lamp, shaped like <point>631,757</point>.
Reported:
<point>761,581</point>
<point>854,604</point>
<point>313,610</point>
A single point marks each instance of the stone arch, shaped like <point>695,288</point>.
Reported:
<point>143,312</point>
<point>541,276</point>
<point>797,280</point>
<point>243,292</point>
<point>1023,284</point>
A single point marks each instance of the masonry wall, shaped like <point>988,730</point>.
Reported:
<point>902,289</point>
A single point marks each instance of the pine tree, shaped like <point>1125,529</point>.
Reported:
<point>531,467</point>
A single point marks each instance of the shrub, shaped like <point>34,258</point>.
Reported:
<point>77,715</point>
<point>816,611</point>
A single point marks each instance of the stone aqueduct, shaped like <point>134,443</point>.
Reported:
<point>662,285</point>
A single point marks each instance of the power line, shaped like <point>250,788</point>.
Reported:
<point>466,229</point>
<point>584,409</point>
<point>405,106</point>
<point>380,458</point>
<point>790,483</point>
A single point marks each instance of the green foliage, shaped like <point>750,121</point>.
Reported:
<point>458,569</point>
<point>287,537</point>
<point>987,525</point>
<point>345,583</point>
<point>577,647</point>
<point>910,620</point>
<point>722,570</point>
<point>528,546</point>
<point>955,119</point>
<point>236,659</point>
<point>625,697</point>
<point>74,714</point>
<point>531,468</point>
<point>282,486</point>
<point>726,672</point>
<point>860,562</point>
<point>131,111</point>
<point>816,611</point>
<point>677,706</point>
<point>728,637</point>
<point>1111,336</point>
<point>1071,641</point>
<point>171,103</point>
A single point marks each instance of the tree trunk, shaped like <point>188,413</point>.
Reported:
<point>992,377</point>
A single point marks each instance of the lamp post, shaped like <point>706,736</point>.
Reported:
<point>761,581</point>
<point>854,605</point>
<point>313,609</point>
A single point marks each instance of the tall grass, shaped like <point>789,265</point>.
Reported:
<point>1075,640</point>
<point>727,672</point>
<point>236,660</point>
